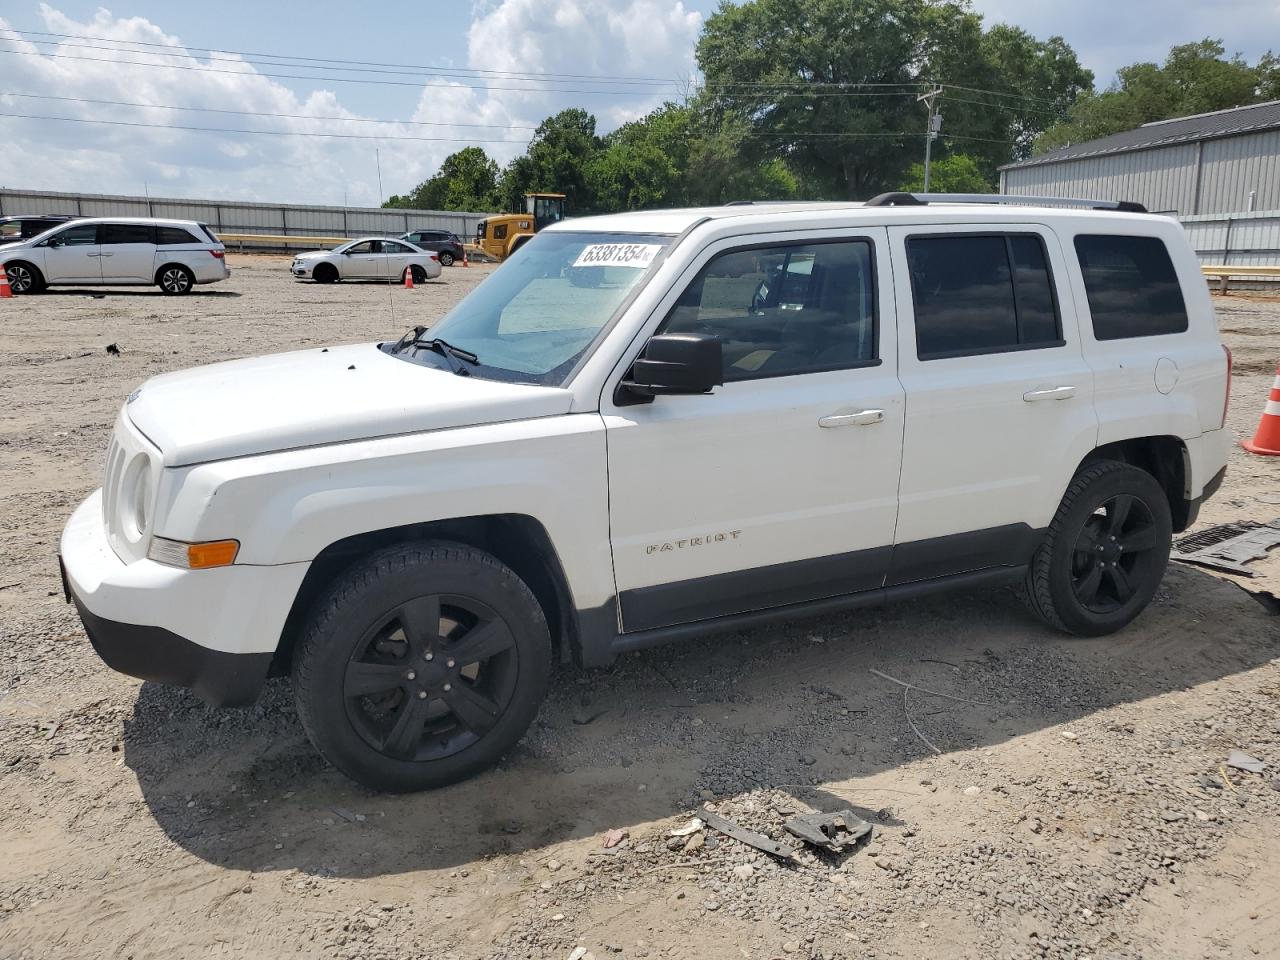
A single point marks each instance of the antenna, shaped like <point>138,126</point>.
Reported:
<point>391,297</point>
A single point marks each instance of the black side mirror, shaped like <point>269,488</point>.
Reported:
<point>673,363</point>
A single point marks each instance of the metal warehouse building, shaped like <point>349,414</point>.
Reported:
<point>1219,173</point>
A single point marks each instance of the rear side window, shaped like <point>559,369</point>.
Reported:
<point>127,233</point>
<point>171,236</point>
<point>981,293</point>
<point>208,232</point>
<point>1132,286</point>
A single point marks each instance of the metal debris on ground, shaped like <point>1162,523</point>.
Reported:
<point>749,837</point>
<point>1242,761</point>
<point>831,831</point>
<point>1229,546</point>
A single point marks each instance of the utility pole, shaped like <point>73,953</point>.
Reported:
<point>931,130</point>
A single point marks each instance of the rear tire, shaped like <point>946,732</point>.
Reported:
<point>175,280</point>
<point>24,277</point>
<point>325,273</point>
<point>1105,553</point>
<point>423,665</point>
<point>446,259</point>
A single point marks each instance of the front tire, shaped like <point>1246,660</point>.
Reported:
<point>24,278</point>
<point>423,665</point>
<point>1105,553</point>
<point>325,273</point>
<point>175,280</point>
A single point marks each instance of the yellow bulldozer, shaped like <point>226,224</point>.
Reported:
<point>499,237</point>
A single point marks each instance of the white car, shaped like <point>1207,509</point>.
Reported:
<point>654,425</point>
<point>369,258</point>
<point>175,255</point>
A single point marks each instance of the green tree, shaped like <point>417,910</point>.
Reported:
<point>556,161</point>
<point>830,86</point>
<point>1194,78</point>
<point>957,173</point>
<point>466,180</point>
<point>643,163</point>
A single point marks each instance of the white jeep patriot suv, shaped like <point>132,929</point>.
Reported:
<point>648,426</point>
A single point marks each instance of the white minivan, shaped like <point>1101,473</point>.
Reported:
<point>174,255</point>
<point>648,426</point>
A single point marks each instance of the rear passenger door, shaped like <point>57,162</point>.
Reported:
<point>999,408</point>
<point>128,253</point>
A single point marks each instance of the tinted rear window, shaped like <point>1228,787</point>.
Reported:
<point>981,293</point>
<point>208,232</point>
<point>169,236</point>
<point>1132,286</point>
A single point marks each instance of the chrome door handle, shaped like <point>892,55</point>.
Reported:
<point>862,418</point>
<point>106,254</point>
<point>1049,393</point>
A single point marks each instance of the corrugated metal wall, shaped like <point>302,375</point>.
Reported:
<point>262,218</point>
<point>1164,178</point>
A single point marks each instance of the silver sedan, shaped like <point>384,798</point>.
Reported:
<point>368,258</point>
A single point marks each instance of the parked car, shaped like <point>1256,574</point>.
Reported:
<point>175,255</point>
<point>446,244</point>
<point>369,258</point>
<point>656,425</point>
<point>13,229</point>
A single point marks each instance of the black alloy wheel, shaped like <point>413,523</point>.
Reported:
<point>1109,561</point>
<point>1105,552</point>
<point>422,665</point>
<point>431,678</point>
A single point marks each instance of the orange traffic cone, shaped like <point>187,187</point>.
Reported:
<point>5,289</point>
<point>1267,440</point>
<point>408,278</point>
<point>466,261</point>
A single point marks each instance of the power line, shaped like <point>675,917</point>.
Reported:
<point>251,113</point>
<point>846,135</point>
<point>326,60</point>
<point>294,76</point>
<point>273,133</point>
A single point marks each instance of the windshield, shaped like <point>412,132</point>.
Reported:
<point>535,317</point>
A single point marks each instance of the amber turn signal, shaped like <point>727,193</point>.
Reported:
<point>194,556</point>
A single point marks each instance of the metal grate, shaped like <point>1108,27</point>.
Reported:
<point>1229,546</point>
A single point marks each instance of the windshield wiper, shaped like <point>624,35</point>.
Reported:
<point>452,355</point>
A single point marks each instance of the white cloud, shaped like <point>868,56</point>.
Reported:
<point>611,37</point>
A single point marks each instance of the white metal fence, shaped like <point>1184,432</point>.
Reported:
<point>268,219</point>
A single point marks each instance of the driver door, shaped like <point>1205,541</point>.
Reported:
<point>362,262</point>
<point>73,255</point>
<point>781,486</point>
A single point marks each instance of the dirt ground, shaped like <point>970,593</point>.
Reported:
<point>1079,805</point>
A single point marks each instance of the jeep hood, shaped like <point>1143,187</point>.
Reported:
<point>311,397</point>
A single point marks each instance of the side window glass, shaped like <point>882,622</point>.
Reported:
<point>981,293</point>
<point>1132,287</point>
<point>127,233</point>
<point>786,310</point>
<point>366,247</point>
<point>172,236</point>
<point>500,232</point>
<point>80,236</point>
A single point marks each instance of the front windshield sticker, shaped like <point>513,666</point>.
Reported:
<point>637,255</point>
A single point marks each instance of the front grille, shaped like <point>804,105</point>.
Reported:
<point>119,510</point>
<point>111,485</point>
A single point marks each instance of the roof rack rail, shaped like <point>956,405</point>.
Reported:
<point>900,199</point>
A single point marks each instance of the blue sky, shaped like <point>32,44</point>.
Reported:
<point>646,38</point>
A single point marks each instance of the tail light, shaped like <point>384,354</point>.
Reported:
<point>219,254</point>
<point>435,258</point>
<point>1226,399</point>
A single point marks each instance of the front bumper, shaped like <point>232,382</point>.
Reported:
<point>213,631</point>
<point>301,269</point>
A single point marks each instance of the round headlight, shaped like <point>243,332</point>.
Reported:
<point>135,498</point>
